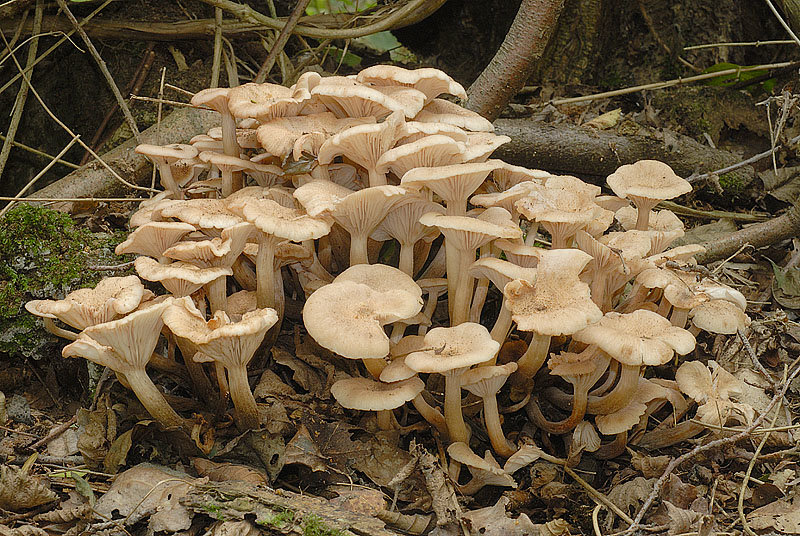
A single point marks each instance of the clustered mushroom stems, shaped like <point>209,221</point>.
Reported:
<point>388,119</point>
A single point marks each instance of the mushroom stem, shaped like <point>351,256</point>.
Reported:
<point>386,420</point>
<point>265,271</point>
<point>167,180</point>
<point>620,396</point>
<point>452,260</point>
<point>431,414</point>
<point>243,274</point>
<point>528,365</point>
<point>358,249</point>
<point>643,208</point>
<point>217,294</point>
<point>229,143</point>
<point>491,418</point>
<point>429,310</point>
<point>375,178</point>
<point>501,326</point>
<point>152,399</point>
<point>579,403</point>
<point>679,317</point>
<point>533,229</point>
<point>243,400</point>
<point>50,325</point>
<point>197,374</point>
<point>456,428</point>
<point>407,258</point>
<point>164,364</point>
<point>614,448</point>
<point>464,287</point>
<point>375,366</point>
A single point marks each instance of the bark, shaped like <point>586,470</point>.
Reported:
<point>588,152</point>
<point>94,180</point>
<point>757,235</point>
<point>514,61</point>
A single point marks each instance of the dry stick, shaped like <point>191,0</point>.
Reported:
<point>22,94</point>
<point>280,41</point>
<point>216,61</point>
<point>67,129</point>
<point>783,22</point>
<point>741,44</point>
<point>55,45</point>
<point>230,64</point>
<point>14,38</point>
<point>54,433</point>
<point>714,214</point>
<point>133,86</point>
<point>38,176</point>
<point>387,22</point>
<point>757,235</point>
<point>37,152</point>
<point>102,65</point>
<point>510,67</point>
<point>158,121</point>
<point>665,84</point>
<point>166,101</point>
<point>717,443</point>
<point>75,199</point>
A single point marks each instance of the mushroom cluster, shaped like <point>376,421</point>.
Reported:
<point>373,199</point>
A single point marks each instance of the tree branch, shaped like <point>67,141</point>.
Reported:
<point>512,64</point>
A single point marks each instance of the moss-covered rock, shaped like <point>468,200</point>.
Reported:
<point>44,254</point>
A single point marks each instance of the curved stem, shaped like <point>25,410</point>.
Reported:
<point>167,181</point>
<point>579,403</point>
<point>614,448</point>
<point>665,437</point>
<point>406,263</point>
<point>502,325</point>
<point>431,414</point>
<point>244,274</point>
<point>452,260</point>
<point>169,366</point>
<point>243,399</point>
<point>152,399</point>
<point>528,365</point>
<point>457,429</point>
<point>491,418</point>
<point>620,396</point>
<point>358,249</point>
<point>50,325</point>
<point>678,317</point>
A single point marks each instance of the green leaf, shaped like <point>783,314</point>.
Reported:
<point>383,42</point>
<point>83,487</point>
<point>350,59</point>
<point>786,286</point>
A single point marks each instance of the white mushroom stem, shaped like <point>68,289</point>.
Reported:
<point>229,143</point>
<point>152,399</point>
<point>430,309</point>
<point>464,287</point>
<point>217,294</point>
<point>431,414</point>
<point>167,180</point>
<point>407,258</point>
<point>243,400</point>
<point>481,290</point>
<point>265,272</point>
<point>679,316</point>
<point>50,325</point>
<point>244,274</point>
<point>528,365</point>
<point>491,417</point>
<point>376,178</point>
<point>533,229</point>
<point>502,325</point>
<point>358,249</point>
<point>456,427</point>
<point>387,420</point>
<point>643,207</point>
<point>375,367</point>
<point>579,403</point>
<point>197,374</point>
<point>620,396</point>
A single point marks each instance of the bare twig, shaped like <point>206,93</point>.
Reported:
<point>102,65</point>
<point>743,163</point>
<point>716,444</point>
<point>75,199</point>
<point>741,44</point>
<point>280,41</point>
<point>54,433</point>
<point>714,214</point>
<point>22,94</point>
<point>783,22</point>
<point>43,154</point>
<point>217,57</point>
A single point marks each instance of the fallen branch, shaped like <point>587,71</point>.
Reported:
<point>510,67</point>
<point>578,150</point>
<point>757,235</point>
<point>280,41</point>
<point>92,180</point>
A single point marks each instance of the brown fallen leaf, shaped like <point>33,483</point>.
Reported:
<point>220,472</point>
<point>782,516</point>
<point>234,528</point>
<point>494,521</point>
<point>21,491</point>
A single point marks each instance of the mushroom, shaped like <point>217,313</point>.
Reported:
<point>453,183</point>
<point>217,99</point>
<point>719,316</point>
<point>435,150</point>
<point>431,82</point>
<point>154,238</point>
<point>125,346</point>
<point>562,212</point>
<point>231,168</point>
<point>232,344</point>
<point>266,101</point>
<point>356,100</point>
<point>646,183</point>
<point>165,155</point>
<point>179,278</point>
<point>110,299</point>
<point>366,394</point>
<point>442,111</point>
<point>485,471</point>
<point>451,351</point>
<point>485,382</point>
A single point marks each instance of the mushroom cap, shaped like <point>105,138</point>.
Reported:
<point>481,145</point>
<point>110,298</point>
<point>435,150</point>
<point>520,254</point>
<point>486,469</point>
<point>215,98</point>
<point>358,310</point>
<point>203,213</point>
<point>224,161</point>
<point>179,278</point>
<point>554,205</point>
<point>585,438</point>
<point>278,136</point>
<point>719,316</point>
<point>402,221</point>
<point>454,348</point>
<point>506,198</point>
<point>501,272</point>
<point>508,175</point>
<point>397,370</point>
<point>487,381</point>
<point>167,153</point>
<point>154,238</point>
<point>648,179</point>
<point>265,101</point>
<point>442,111</point>
<point>362,101</point>
<point>367,394</point>
<point>150,209</point>
<point>719,291</point>
<point>469,233</point>
<point>431,82</point>
<point>712,390</point>
<point>276,220</point>
<point>558,303</point>
<point>381,278</point>
<point>363,144</point>
<point>412,131</point>
<point>451,182</point>
<point>572,184</point>
<point>124,344</point>
<point>661,220</point>
<point>638,338</point>
<point>630,415</point>
<point>220,251</point>
<point>240,303</point>
<point>231,343</point>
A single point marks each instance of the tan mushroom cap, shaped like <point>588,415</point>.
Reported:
<point>169,153</point>
<point>662,220</point>
<point>431,82</point>
<point>202,213</point>
<point>356,309</point>
<point>274,219</point>
<point>264,101</point>
<point>501,272</point>
<point>471,233</point>
<point>506,198</point>
<point>278,136</point>
<point>179,278</point>
<point>402,221</point>
<point>486,470</point>
<point>363,101</point>
<point>442,111</point>
<point>713,390</point>
<point>111,298</point>
<point>453,183</point>
<point>638,338</point>
<point>649,179</point>
<point>369,395</point>
<point>381,278</point>
<point>487,381</point>
<point>585,438</point>
<point>415,130</point>
<point>573,184</point>
<point>154,238</point>
<point>435,150</point>
<point>520,254</point>
<point>397,370</point>
<point>481,145</point>
<point>558,303</point>
<point>630,415</point>
<point>453,348</point>
<point>561,212</point>
<point>719,291</point>
<point>150,209</point>
<point>219,251</point>
<point>507,175</point>
<point>719,316</point>
<point>240,303</point>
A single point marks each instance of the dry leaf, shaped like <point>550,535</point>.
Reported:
<point>630,495</point>
<point>649,466</point>
<point>606,120</point>
<point>20,490</point>
<point>781,516</point>
<point>234,528</point>
<point>221,472</point>
<point>493,521</point>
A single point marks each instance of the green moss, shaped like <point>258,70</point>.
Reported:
<point>43,254</point>
<point>313,526</point>
<point>734,184</point>
<point>277,520</point>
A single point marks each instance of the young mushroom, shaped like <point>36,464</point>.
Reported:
<point>366,394</point>
<point>485,382</point>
